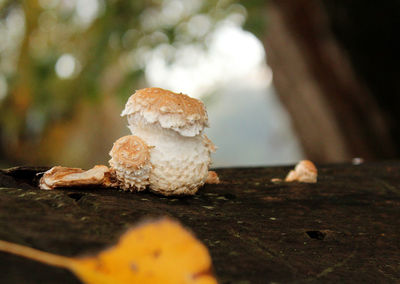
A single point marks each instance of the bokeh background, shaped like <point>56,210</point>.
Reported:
<point>282,80</point>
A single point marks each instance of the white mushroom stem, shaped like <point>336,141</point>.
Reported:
<point>180,163</point>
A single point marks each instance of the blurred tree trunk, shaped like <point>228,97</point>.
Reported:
<point>334,113</point>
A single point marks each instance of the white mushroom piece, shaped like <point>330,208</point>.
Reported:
<point>172,124</point>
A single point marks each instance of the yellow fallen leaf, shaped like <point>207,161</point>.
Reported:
<point>155,252</point>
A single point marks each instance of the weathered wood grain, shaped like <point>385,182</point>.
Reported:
<point>345,228</point>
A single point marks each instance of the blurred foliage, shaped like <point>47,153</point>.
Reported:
<point>256,22</point>
<point>68,66</point>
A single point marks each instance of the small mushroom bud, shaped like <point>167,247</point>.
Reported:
<point>130,159</point>
<point>212,178</point>
<point>305,171</point>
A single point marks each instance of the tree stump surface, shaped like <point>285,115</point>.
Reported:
<point>345,228</point>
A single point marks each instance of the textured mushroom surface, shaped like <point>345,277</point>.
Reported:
<point>130,158</point>
<point>172,124</point>
<point>179,112</point>
<point>180,163</point>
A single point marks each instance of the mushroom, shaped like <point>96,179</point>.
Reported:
<point>130,168</point>
<point>173,125</point>
<point>130,159</point>
<point>168,151</point>
<point>212,178</point>
<point>66,177</point>
<point>305,171</point>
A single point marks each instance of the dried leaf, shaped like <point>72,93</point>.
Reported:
<point>157,252</point>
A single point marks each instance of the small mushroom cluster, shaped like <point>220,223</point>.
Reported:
<point>167,151</point>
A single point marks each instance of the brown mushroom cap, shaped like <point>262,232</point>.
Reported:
<point>130,160</point>
<point>305,171</point>
<point>171,110</point>
<point>131,152</point>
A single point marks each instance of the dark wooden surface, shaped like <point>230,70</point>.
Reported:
<point>344,229</point>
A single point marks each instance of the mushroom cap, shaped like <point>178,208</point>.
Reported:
<point>131,152</point>
<point>179,112</point>
<point>305,171</point>
<point>130,158</point>
<point>306,166</point>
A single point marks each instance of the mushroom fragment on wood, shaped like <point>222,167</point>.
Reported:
<point>305,171</point>
<point>212,178</point>
<point>66,177</point>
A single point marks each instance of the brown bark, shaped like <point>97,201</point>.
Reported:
<point>343,229</point>
<point>332,111</point>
